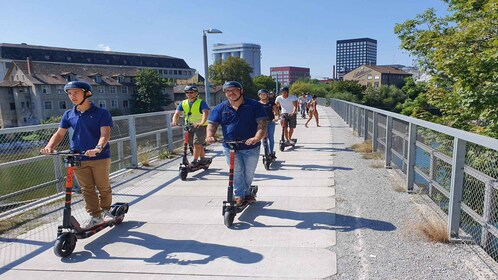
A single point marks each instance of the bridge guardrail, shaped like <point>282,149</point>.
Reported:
<point>458,170</point>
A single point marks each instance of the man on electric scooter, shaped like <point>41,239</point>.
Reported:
<point>288,105</point>
<point>92,130</point>
<point>240,118</point>
<point>272,111</point>
<point>196,112</point>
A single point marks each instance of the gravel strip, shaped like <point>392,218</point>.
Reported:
<point>377,236</point>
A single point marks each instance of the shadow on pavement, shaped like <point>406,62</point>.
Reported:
<point>168,251</point>
<point>309,220</point>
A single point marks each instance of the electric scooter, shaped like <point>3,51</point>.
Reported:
<point>284,118</point>
<point>230,210</point>
<point>70,230</point>
<point>268,158</point>
<point>185,166</point>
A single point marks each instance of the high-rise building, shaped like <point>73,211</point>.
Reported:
<point>353,53</point>
<point>251,53</point>
<point>286,75</point>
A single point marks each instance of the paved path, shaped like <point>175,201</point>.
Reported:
<point>175,229</point>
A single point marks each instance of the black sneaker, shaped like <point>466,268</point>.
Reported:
<point>194,164</point>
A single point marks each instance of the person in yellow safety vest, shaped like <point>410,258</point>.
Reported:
<point>196,113</point>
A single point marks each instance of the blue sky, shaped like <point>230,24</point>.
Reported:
<point>291,33</point>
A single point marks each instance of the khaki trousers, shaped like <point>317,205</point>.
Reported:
<point>93,175</point>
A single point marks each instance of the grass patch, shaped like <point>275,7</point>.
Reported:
<point>377,164</point>
<point>376,156</point>
<point>165,155</point>
<point>365,147</point>
<point>432,226</point>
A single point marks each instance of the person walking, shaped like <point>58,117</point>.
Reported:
<point>241,118</point>
<point>302,100</point>
<point>196,112</point>
<point>313,111</point>
<point>288,105</point>
<point>92,130</point>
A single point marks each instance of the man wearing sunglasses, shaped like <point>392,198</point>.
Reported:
<point>196,112</point>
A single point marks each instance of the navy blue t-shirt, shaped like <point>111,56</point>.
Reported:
<point>86,127</point>
<point>269,109</point>
<point>239,124</point>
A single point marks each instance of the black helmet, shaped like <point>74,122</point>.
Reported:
<point>190,88</point>
<point>232,84</point>
<point>78,84</point>
<point>261,91</point>
<point>285,89</point>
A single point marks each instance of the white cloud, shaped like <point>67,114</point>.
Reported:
<point>104,47</point>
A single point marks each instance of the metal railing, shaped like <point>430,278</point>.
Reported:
<point>28,177</point>
<point>458,170</point>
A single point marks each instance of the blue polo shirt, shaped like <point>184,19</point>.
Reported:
<point>86,127</point>
<point>238,124</point>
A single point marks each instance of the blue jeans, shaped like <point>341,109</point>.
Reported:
<point>270,131</point>
<point>244,169</point>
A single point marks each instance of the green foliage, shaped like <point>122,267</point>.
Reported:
<point>460,51</point>
<point>52,119</point>
<point>265,82</point>
<point>233,69</point>
<point>148,96</point>
<point>385,97</point>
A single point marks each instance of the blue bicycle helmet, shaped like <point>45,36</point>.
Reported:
<point>78,84</point>
<point>232,84</point>
<point>190,88</point>
<point>261,91</point>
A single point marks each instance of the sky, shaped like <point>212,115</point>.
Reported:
<point>291,33</point>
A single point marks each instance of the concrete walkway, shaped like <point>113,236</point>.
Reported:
<point>175,230</point>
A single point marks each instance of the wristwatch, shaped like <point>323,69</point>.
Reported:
<point>99,147</point>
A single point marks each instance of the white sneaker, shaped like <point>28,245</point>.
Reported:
<point>93,221</point>
<point>292,142</point>
<point>107,216</point>
<point>288,142</point>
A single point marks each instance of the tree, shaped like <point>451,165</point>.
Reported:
<point>233,69</point>
<point>385,97</point>
<point>148,96</point>
<point>265,82</point>
<point>460,51</point>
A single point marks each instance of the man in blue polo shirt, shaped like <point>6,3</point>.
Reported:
<point>92,130</point>
<point>240,119</point>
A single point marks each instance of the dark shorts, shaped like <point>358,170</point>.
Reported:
<point>197,136</point>
<point>292,120</point>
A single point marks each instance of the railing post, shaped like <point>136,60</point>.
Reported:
<point>120,155</point>
<point>133,141</point>
<point>365,124</point>
<point>375,131</point>
<point>389,140</point>
<point>170,133</point>
<point>410,161</point>
<point>457,175</point>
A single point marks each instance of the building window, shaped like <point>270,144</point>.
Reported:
<point>100,89</point>
<point>114,104</point>
<point>112,89</point>
<point>12,106</point>
<point>60,89</point>
<point>62,105</point>
<point>124,89</point>
<point>47,105</point>
<point>376,84</point>
<point>97,79</point>
<point>125,103</point>
<point>102,104</point>
<point>46,89</point>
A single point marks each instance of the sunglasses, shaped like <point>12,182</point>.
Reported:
<point>190,92</point>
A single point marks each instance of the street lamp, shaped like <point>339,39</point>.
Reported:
<point>207,90</point>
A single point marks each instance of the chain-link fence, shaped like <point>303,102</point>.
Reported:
<point>455,169</point>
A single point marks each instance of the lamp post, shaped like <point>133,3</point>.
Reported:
<point>207,90</point>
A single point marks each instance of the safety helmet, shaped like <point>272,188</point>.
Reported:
<point>232,84</point>
<point>78,85</point>
<point>190,88</point>
<point>261,91</point>
<point>285,89</point>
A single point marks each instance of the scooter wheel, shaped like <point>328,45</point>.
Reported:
<point>183,174</point>
<point>120,214</point>
<point>228,217</point>
<point>65,244</point>
<point>266,163</point>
